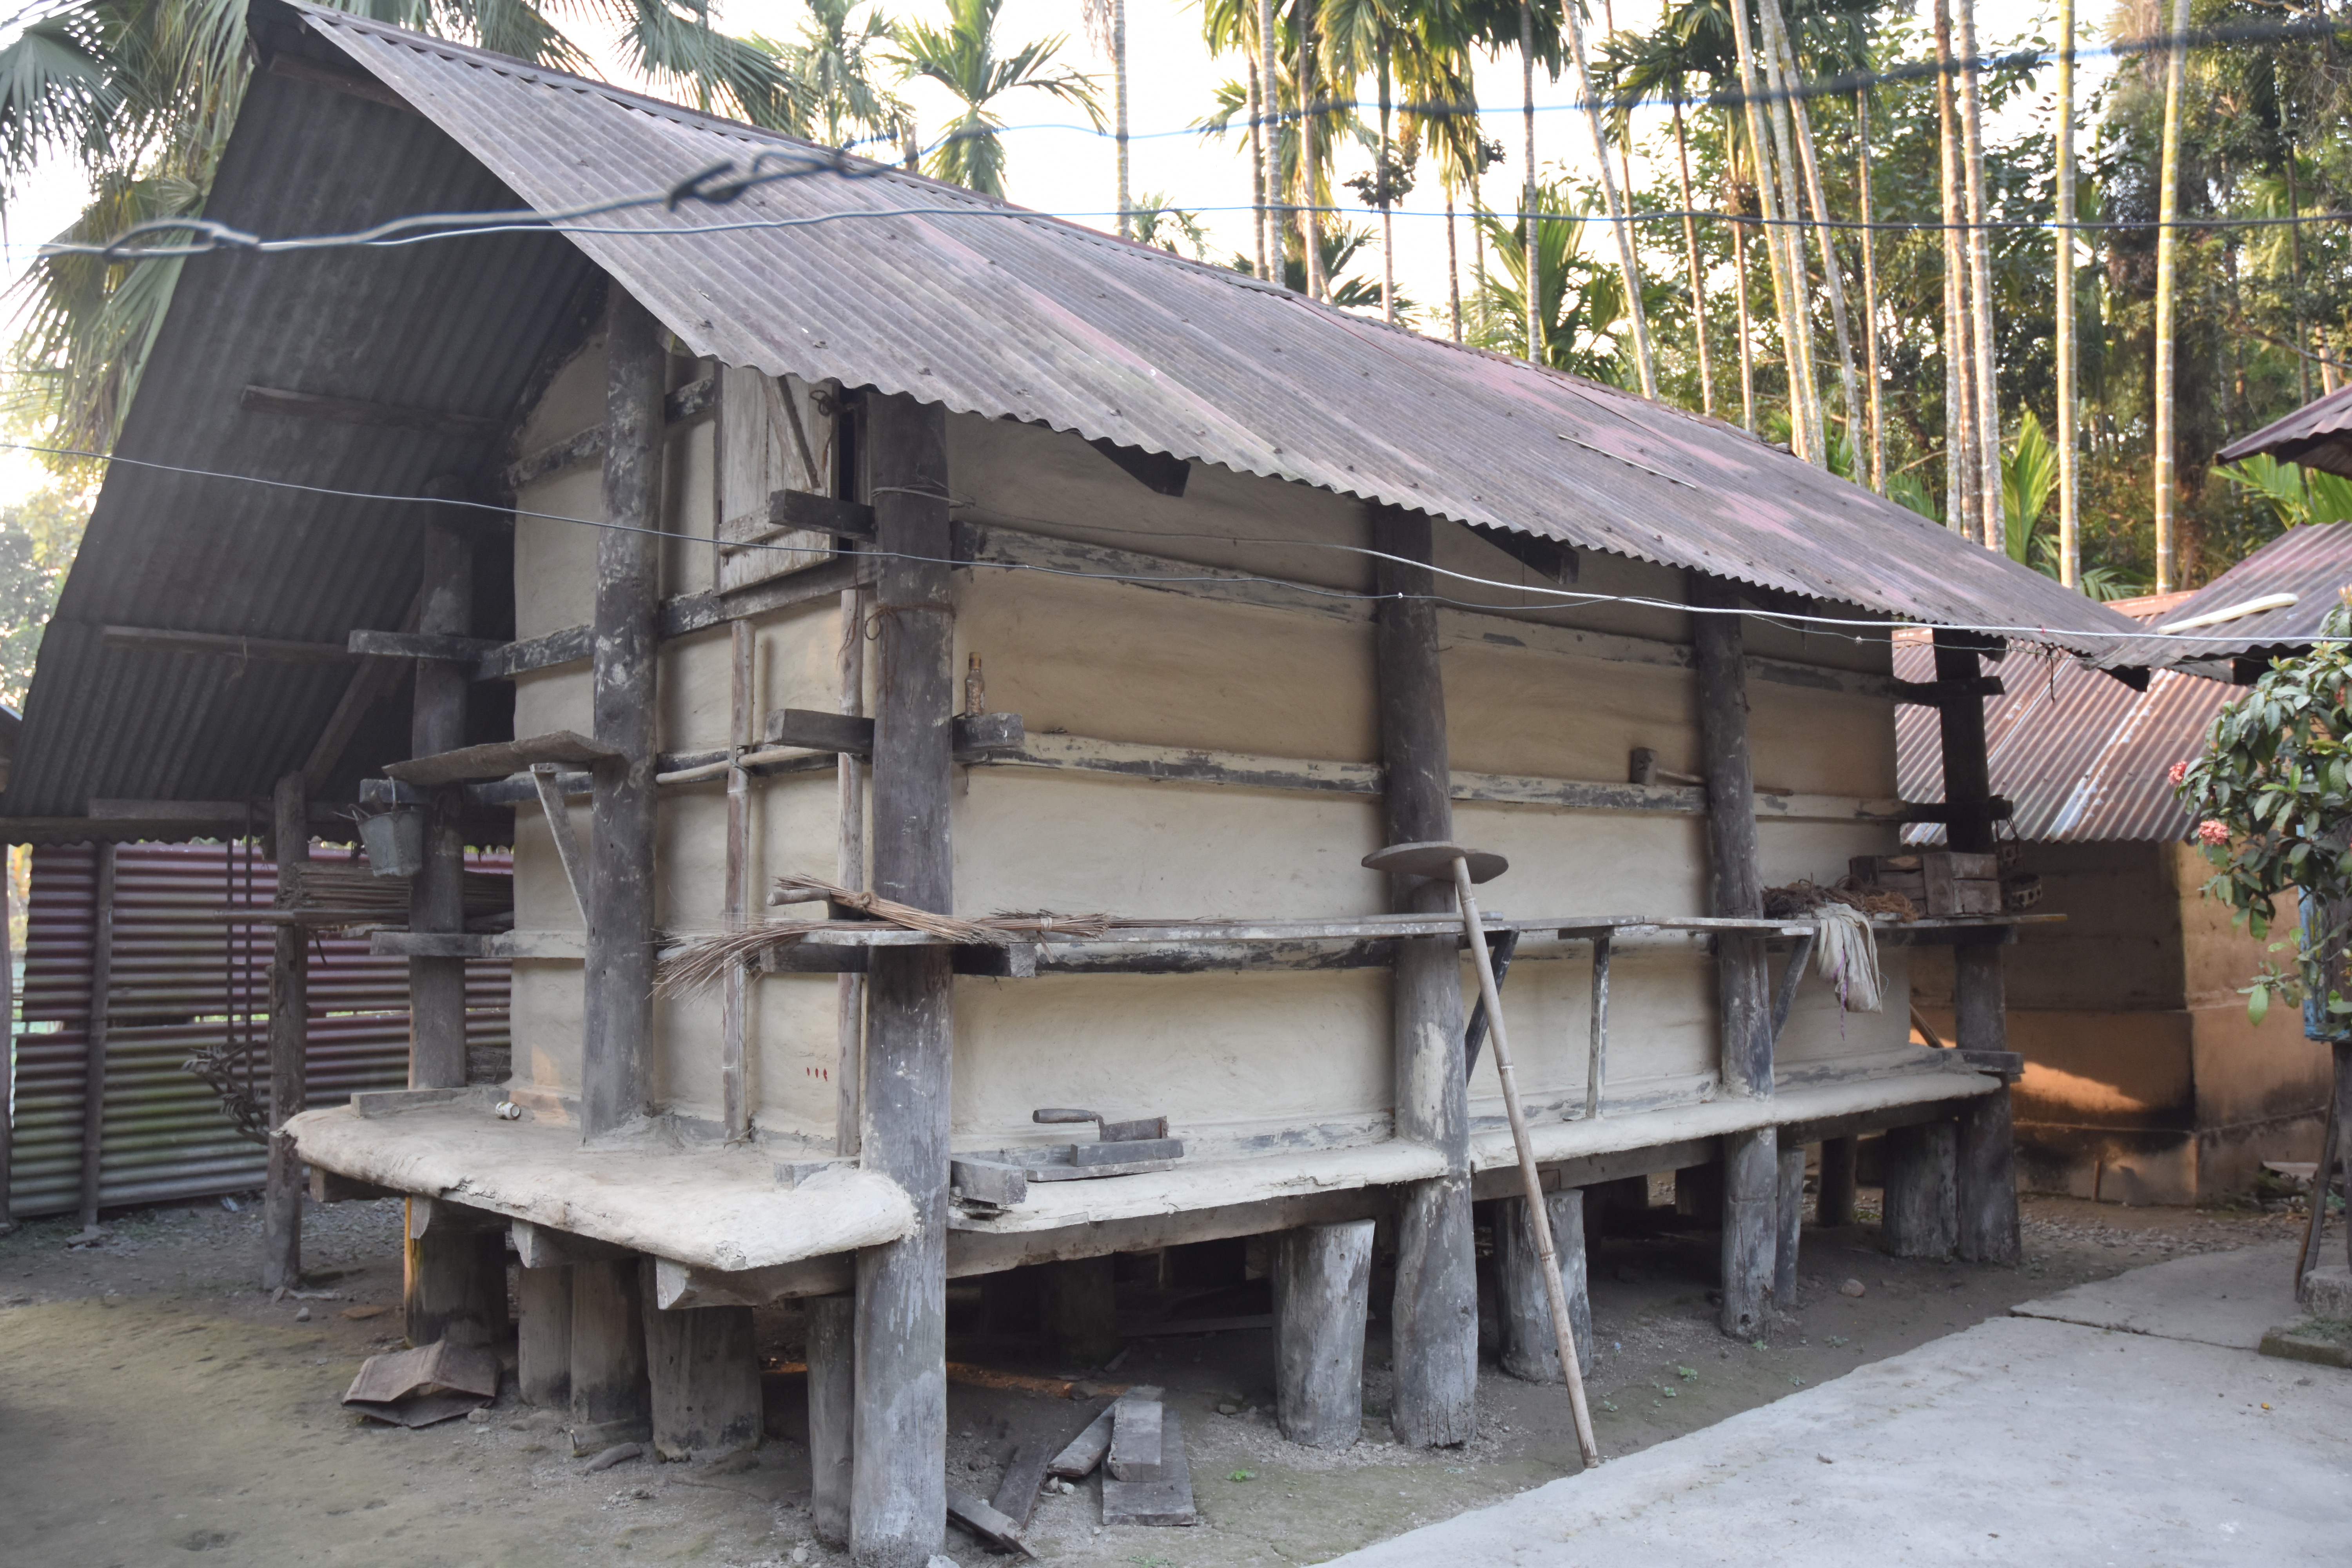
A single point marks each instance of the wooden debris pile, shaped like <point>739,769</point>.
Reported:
<point>1136,1442</point>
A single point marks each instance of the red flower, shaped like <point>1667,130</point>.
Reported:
<point>2211,832</point>
<point>2179,771</point>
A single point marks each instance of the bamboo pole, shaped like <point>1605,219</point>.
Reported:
<point>2168,209</point>
<point>2070,538</point>
<point>1870,293</point>
<point>1987,363</point>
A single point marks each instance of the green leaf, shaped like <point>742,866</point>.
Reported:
<point>2258,1004</point>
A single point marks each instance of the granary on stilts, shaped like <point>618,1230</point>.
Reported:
<point>1070,620</point>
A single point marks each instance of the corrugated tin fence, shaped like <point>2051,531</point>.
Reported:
<point>184,981</point>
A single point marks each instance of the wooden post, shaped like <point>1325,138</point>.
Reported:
<point>7,1047</point>
<point>620,970</point>
<point>734,1090</point>
<point>898,1490</point>
<point>543,1336</point>
<point>1987,1167</point>
<point>1433,1314</point>
<point>436,896</point>
<point>704,1374</point>
<point>1078,1301</point>
<point>849,871</point>
<point>1921,1219</point>
<point>1322,1293</point>
<point>93,1082</point>
<point>1790,1229</point>
<point>832,1413</point>
<point>1743,980</point>
<point>612,1400</point>
<point>1835,1206</point>
<point>289,1024</point>
<point>455,1266</point>
<point>1530,1348</point>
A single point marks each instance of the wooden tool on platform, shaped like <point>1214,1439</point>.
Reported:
<point>1467,868</point>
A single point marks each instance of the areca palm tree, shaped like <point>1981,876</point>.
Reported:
<point>1106,28</point>
<point>142,94</point>
<point>834,64</point>
<point>1573,300</point>
<point>963,58</point>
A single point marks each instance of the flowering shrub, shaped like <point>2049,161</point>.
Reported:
<point>2272,793</point>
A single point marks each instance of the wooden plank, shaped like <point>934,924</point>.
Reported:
<point>1080,1456</point>
<point>420,645</point>
<point>1161,1494</point>
<point>289,1024</point>
<point>1136,1424</point>
<point>94,1034</point>
<point>820,731</point>
<point>1322,1293</point>
<point>683,615</point>
<point>761,447</point>
<point>983,1521</point>
<point>688,405</point>
<point>802,511</point>
<point>899,1495</point>
<point>499,759</point>
<point>362,412</point>
<point>625,670</point>
<point>1024,1478</point>
<point>541,1246</point>
<point>158,640</point>
<point>555,946</point>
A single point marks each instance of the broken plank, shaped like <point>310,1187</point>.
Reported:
<point>1135,1426</point>
<point>986,1522</point>
<point>1024,1476</point>
<point>1082,1453</point>
<point>1158,1494</point>
<point>498,759</point>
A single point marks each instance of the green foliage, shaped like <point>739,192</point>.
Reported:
<point>39,536</point>
<point>2028,477</point>
<point>1169,227</point>
<point>2272,796</point>
<point>2296,495</point>
<point>1579,298</point>
<point>962,56</point>
<point>834,62</point>
<point>1908,489</point>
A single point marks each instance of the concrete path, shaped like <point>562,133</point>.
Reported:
<point>2126,1423</point>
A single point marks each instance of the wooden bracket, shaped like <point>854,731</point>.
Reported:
<point>818,731</point>
<point>1935,693</point>
<point>559,823</point>
<point>537,1246</point>
<point>803,511</point>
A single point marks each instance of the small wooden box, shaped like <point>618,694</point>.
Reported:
<point>1940,881</point>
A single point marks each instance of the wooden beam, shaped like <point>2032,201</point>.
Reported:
<point>360,411</point>
<point>419,645</point>
<point>498,759</point>
<point>688,405</point>
<point>289,1023</point>
<point>849,871</point>
<point>1936,693</point>
<point>1433,1314</point>
<point>619,1003</point>
<point>1986,1149</point>
<point>972,735</point>
<point>369,685</point>
<point>735,1106</point>
<point>437,898</point>
<point>95,1030</point>
<point>1322,1278</point>
<point>156,639</point>
<point>1743,983</point>
<point>1789,1228</point>
<point>800,511</point>
<point>899,1502</point>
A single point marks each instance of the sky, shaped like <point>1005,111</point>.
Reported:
<point>1058,163</point>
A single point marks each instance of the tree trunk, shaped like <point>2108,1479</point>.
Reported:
<point>1269,97</point>
<point>2293,268</point>
<point>1388,218</point>
<point>1792,242</point>
<point>1785,54</point>
<point>1453,266</point>
<point>1988,366</point>
<point>1784,288</point>
<point>1527,202</point>
<point>1310,222</point>
<point>1747,321</point>
<point>1119,108</point>
<point>1698,277</point>
<point>2168,209</point>
<point>1257,173</point>
<point>1870,293</point>
<point>1629,266</point>
<point>2070,538</point>
<point>1960,492</point>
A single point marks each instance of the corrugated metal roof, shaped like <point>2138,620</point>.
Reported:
<point>1010,314</point>
<point>2079,754</point>
<point>2318,434</point>
<point>2313,562</point>
<point>1022,315</point>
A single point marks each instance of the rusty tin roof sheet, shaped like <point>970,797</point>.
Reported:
<point>996,310</point>
<point>2313,562</point>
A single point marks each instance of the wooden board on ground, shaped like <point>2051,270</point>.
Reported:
<point>1085,1450</point>
<point>1154,1494</point>
<point>1135,1423</point>
<point>986,1522</point>
<point>1016,1494</point>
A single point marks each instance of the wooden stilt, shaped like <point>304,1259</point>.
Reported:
<point>1743,981</point>
<point>1790,1229</point>
<point>7,1047</point>
<point>735,1106</point>
<point>1615,1205</point>
<point>1834,1206</point>
<point>1433,1314</point>
<point>1986,1173</point>
<point>1921,1218</point>
<point>455,1277</point>
<point>612,1399</point>
<point>849,871</point>
<point>1079,1305</point>
<point>543,1336</point>
<point>1322,1278</point>
<point>437,895</point>
<point>1530,1351</point>
<point>898,1490</point>
<point>620,969</point>
<point>703,1376</point>
<point>290,1021</point>
<point>832,1413</point>
<point>93,1082</point>
<point>2331,1138</point>
<point>1699,1191</point>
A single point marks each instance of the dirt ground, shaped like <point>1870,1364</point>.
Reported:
<point>152,1402</point>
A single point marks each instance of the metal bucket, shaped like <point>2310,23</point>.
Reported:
<point>394,842</point>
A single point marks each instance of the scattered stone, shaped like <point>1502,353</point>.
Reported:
<point>360,1314</point>
<point>1851,1288</point>
<point>302,1314</point>
<point>477,1417</point>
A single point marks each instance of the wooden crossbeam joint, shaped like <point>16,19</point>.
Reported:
<point>803,511</point>
<point>2000,808</point>
<point>1935,693</point>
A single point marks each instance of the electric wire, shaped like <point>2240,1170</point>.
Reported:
<point>1566,598</point>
